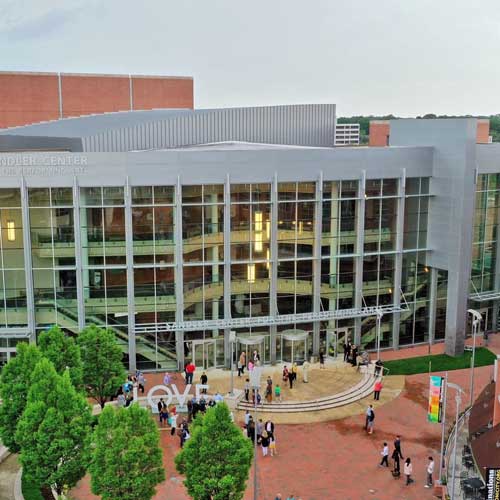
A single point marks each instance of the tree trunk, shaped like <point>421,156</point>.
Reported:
<point>46,493</point>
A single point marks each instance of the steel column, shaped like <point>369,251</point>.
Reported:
<point>179,278</point>
<point>317,262</point>
<point>273,266</point>
<point>360,244</point>
<point>129,247</point>
<point>28,265</point>
<point>78,256</point>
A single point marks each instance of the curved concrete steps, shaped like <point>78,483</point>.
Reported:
<point>355,393</point>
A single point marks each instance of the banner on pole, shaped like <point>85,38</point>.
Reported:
<point>435,399</point>
<point>493,483</point>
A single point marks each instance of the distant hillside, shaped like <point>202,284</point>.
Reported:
<point>364,122</point>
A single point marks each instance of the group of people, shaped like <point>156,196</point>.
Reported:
<point>290,376</point>
<point>125,394</point>
<point>407,467</point>
<point>263,432</point>
<point>242,362</point>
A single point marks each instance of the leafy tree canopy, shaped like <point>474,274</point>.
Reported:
<point>126,460</point>
<point>64,353</point>
<point>53,430</point>
<point>103,371</point>
<point>15,382</point>
<point>217,458</point>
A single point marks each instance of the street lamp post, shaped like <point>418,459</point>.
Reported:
<point>232,340</point>
<point>255,382</point>
<point>379,321</point>
<point>458,400</point>
<point>476,321</point>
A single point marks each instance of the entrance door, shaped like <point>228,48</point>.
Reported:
<point>203,353</point>
<point>294,351</point>
<point>249,349</point>
<point>335,340</point>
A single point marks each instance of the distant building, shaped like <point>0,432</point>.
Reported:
<point>347,134</point>
<point>379,133</point>
<point>27,98</point>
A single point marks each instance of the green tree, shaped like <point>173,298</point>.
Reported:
<point>64,353</point>
<point>103,371</point>
<point>15,382</point>
<point>126,461</point>
<point>54,429</point>
<point>217,458</point>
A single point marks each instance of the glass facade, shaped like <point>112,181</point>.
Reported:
<point>137,258</point>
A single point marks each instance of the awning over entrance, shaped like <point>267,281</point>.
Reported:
<point>294,334</point>
<point>251,340</point>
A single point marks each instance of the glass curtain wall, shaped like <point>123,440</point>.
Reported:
<point>416,275</point>
<point>381,206</point>
<point>338,255</point>
<point>103,247</point>
<point>154,273</point>
<point>203,266</point>
<point>51,214</point>
<point>13,311</point>
<point>295,234</point>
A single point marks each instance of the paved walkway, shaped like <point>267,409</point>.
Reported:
<point>8,473</point>
<point>336,460</point>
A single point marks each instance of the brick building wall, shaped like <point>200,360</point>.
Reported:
<point>27,98</point>
<point>379,132</point>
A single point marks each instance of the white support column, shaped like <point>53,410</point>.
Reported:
<point>433,305</point>
<point>334,242</point>
<point>81,247</point>
<point>179,278</point>
<point>273,265</point>
<point>129,248</point>
<point>28,266</point>
<point>318,206</point>
<point>227,268</point>
<point>398,262</point>
<point>360,244</point>
<point>214,222</point>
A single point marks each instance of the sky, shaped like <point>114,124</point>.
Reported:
<point>405,57</point>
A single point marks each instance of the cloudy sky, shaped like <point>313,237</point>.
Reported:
<point>406,57</point>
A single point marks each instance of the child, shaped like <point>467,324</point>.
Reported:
<point>272,446</point>
<point>247,389</point>
<point>277,393</point>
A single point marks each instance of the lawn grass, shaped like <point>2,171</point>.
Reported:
<point>31,491</point>
<point>439,362</point>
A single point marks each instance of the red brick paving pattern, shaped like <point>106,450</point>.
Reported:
<point>337,460</point>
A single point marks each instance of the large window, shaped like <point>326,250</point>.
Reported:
<point>12,277</point>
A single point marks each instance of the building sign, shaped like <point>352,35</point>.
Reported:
<point>435,399</point>
<point>493,484</point>
<point>171,392</point>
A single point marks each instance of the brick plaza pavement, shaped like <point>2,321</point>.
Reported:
<point>336,460</point>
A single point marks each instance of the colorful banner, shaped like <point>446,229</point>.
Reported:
<point>493,483</point>
<point>436,386</point>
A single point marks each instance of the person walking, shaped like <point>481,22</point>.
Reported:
<point>286,374</point>
<point>269,427</point>
<point>272,446</point>
<point>397,446</point>
<point>190,369</point>
<point>141,381</point>
<point>264,441</point>
<point>247,389</point>
<point>408,471</point>
<point>395,457</point>
<point>347,350</point>
<point>260,430</point>
<point>204,381</point>
<point>354,355</point>
<point>173,422</point>
<point>242,361</point>
<point>371,421</point>
<point>368,412</point>
<point>160,406</point>
<point>269,390</point>
<point>385,456</point>
<point>290,377</point>
<point>277,393</point>
<point>430,472</point>
<point>247,418</point>
<point>376,389</point>
<point>321,360</point>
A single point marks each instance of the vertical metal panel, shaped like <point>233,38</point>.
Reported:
<point>28,266</point>
<point>78,256</point>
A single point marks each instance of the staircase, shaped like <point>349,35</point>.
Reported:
<point>359,391</point>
